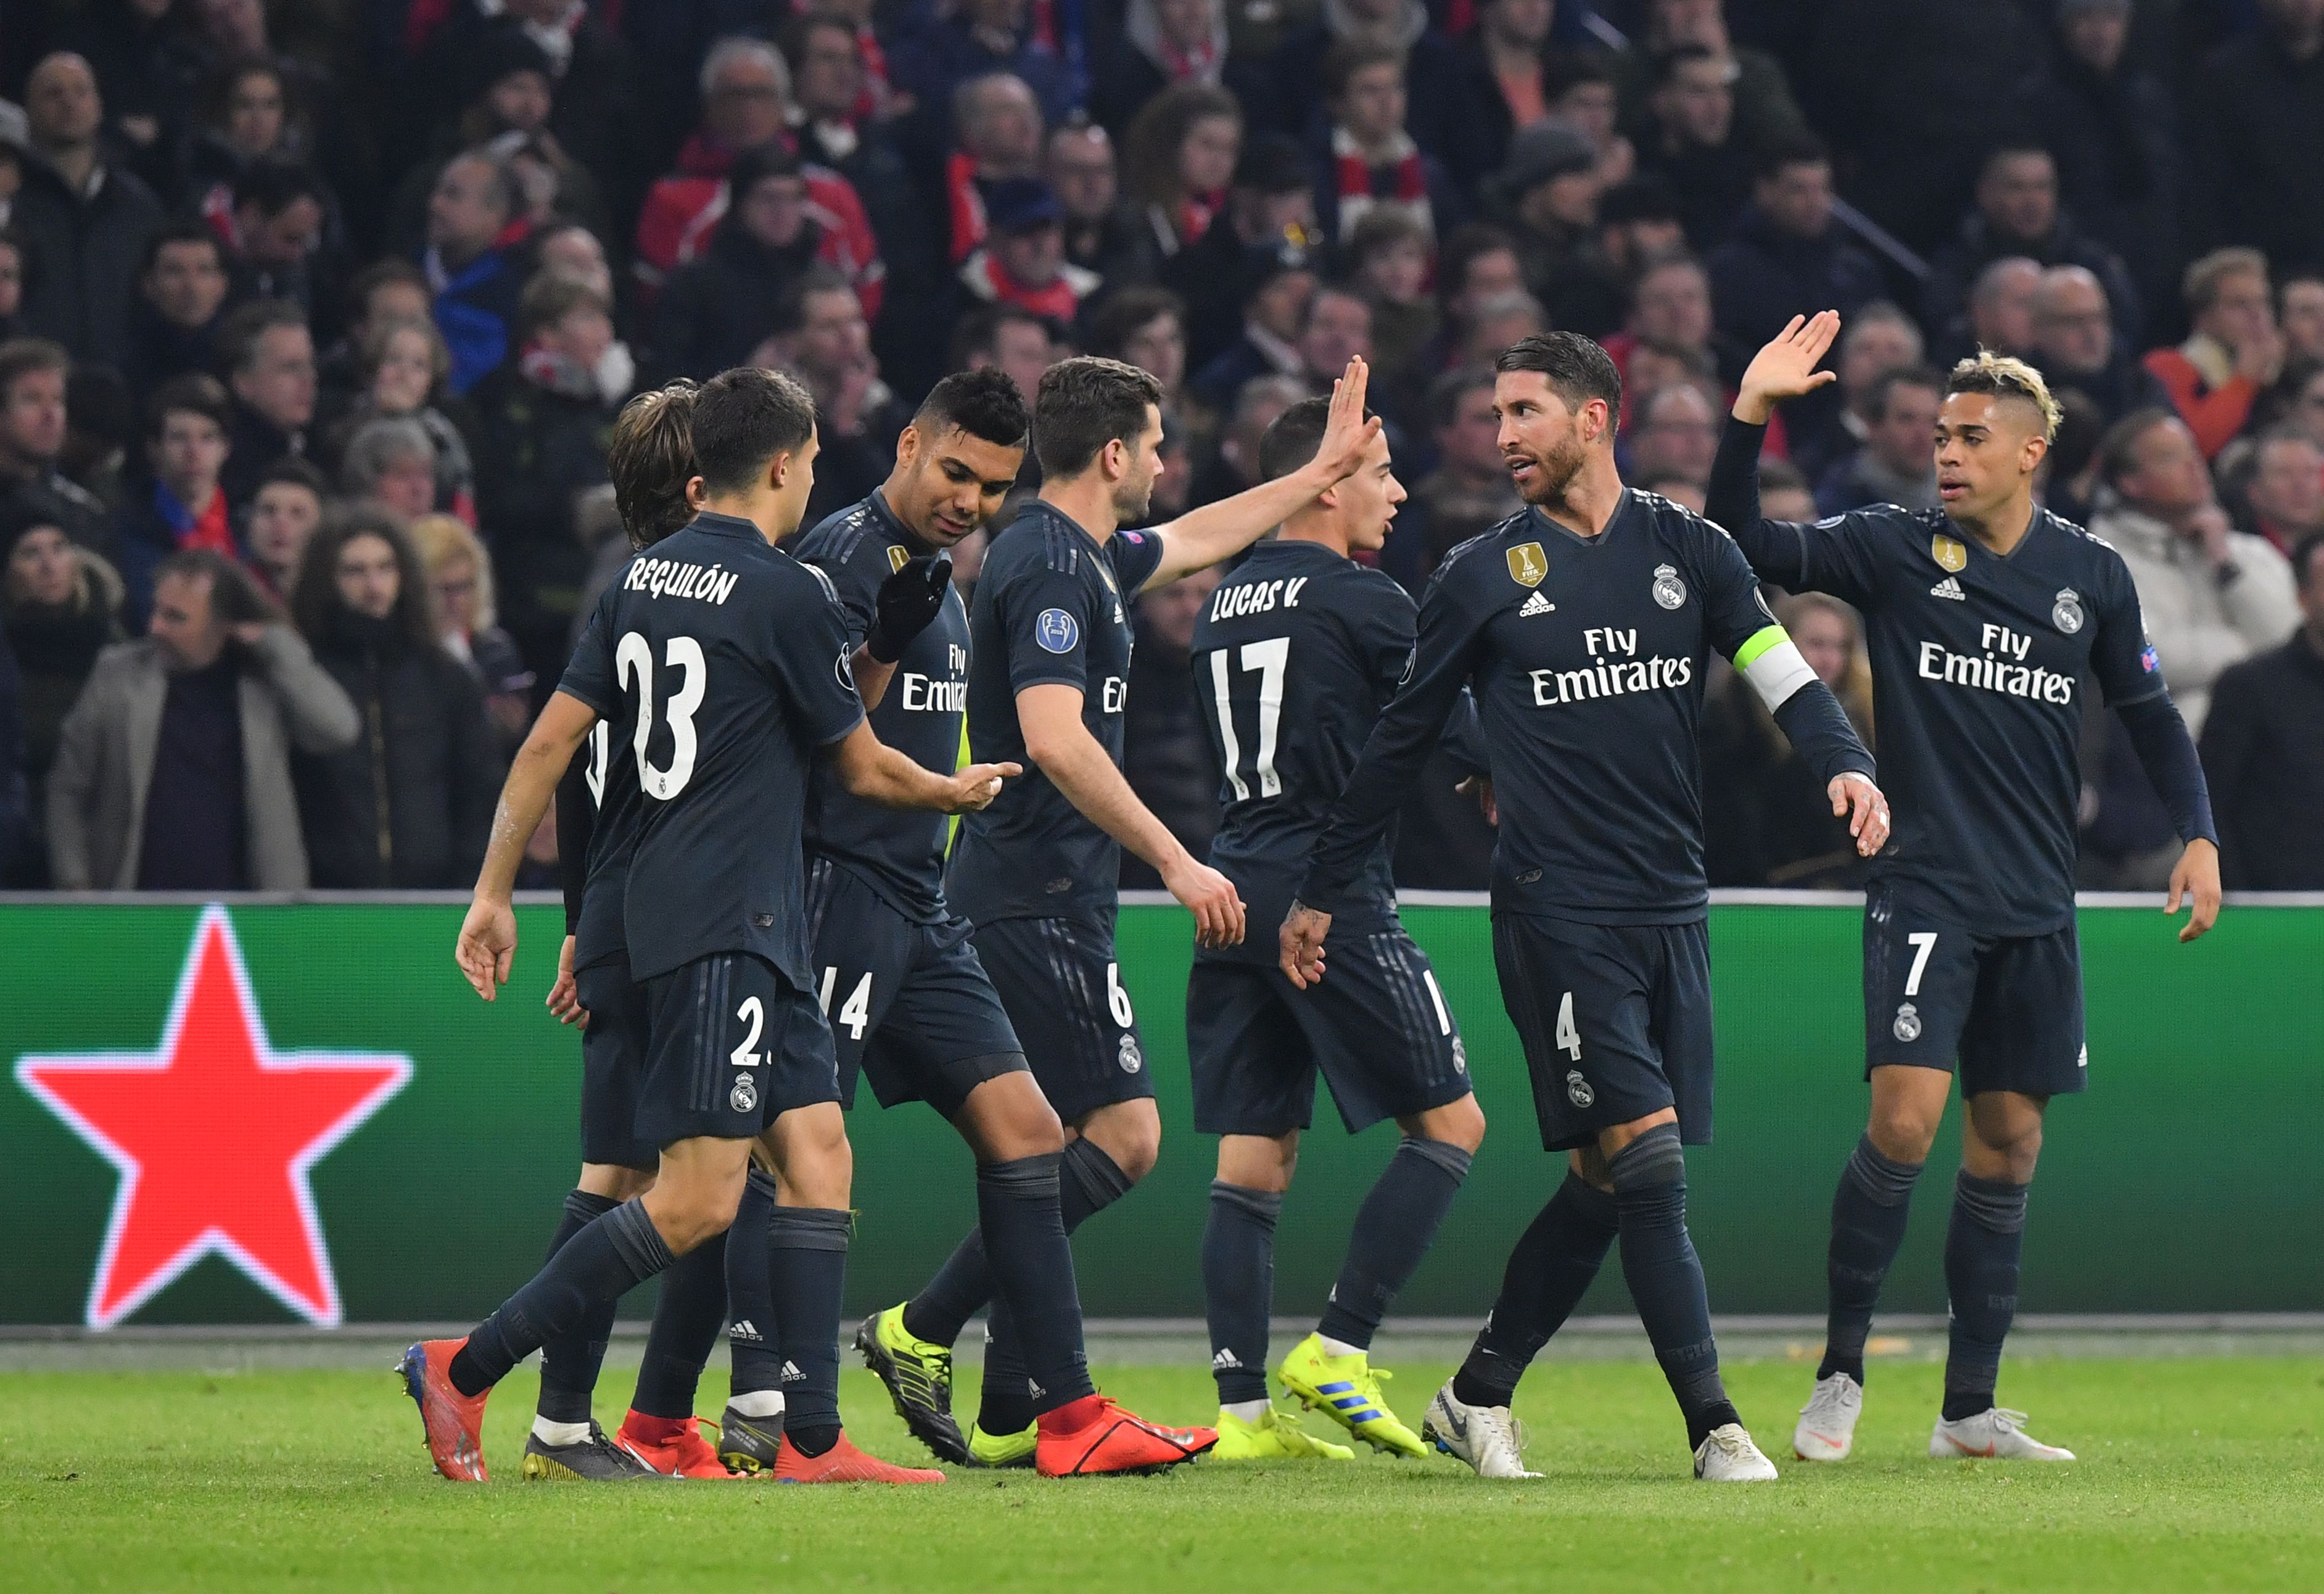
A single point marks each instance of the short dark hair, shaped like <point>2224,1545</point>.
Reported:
<point>316,591</point>
<point>1462,248</point>
<point>742,417</point>
<point>1123,313</point>
<point>1781,475</point>
<point>179,232</point>
<point>238,339</point>
<point>985,404</point>
<point>1668,60</point>
<point>551,296</point>
<point>790,309</point>
<point>1578,369</point>
<point>236,596</point>
<point>650,458</point>
<point>291,470</point>
<point>1797,148</point>
<point>1569,70</point>
<point>1345,60</point>
<point>1085,403</point>
<point>1293,438</point>
<point>191,392</point>
<point>1888,381</point>
<point>979,332</point>
<point>378,275</point>
<point>20,356</point>
<point>1446,394</point>
<point>274,185</point>
<point>2119,449</point>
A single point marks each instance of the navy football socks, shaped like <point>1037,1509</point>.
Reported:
<point>807,1271</point>
<point>1394,1228</point>
<point>1981,1252</point>
<point>1666,1276</point>
<point>1239,1286</point>
<point>1018,1207</point>
<point>1867,1228</point>
<point>1089,1181</point>
<point>755,1357</point>
<point>612,1256</point>
<point>684,1328</point>
<point>570,1362</point>
<point>1548,1271</point>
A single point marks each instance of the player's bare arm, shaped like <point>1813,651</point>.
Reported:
<point>1866,810</point>
<point>487,943</point>
<point>1050,716</point>
<point>1216,532</point>
<point>2195,877</point>
<point>872,769</point>
<point>563,999</point>
<point>1787,367</point>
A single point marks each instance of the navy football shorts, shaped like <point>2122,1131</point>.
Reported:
<point>1377,1030</point>
<point>1614,1021</point>
<point>733,1047</point>
<point>2003,1011</point>
<point>908,1004</point>
<point>614,1049</point>
<point>1063,991</point>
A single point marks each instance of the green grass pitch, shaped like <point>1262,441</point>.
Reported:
<point>2195,1474</point>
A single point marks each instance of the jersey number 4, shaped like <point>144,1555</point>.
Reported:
<point>633,665</point>
<point>1269,660</point>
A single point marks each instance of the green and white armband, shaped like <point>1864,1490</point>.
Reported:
<point>1773,664</point>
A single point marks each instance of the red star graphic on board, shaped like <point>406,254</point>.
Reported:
<point>213,1134</point>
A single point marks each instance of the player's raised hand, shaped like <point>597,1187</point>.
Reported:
<point>2195,877</point>
<point>487,944</point>
<point>1867,809</point>
<point>565,995</point>
<point>1299,945</point>
<point>975,787</point>
<point>1347,434</point>
<point>1211,899</point>
<point>906,604</point>
<point>1786,367</point>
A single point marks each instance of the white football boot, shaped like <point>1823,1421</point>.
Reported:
<point>1994,1434</point>
<point>1485,1436</point>
<point>1826,1430</point>
<point>1727,1455</point>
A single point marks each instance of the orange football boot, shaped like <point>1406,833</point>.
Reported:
<point>453,1422</point>
<point>843,1463</point>
<point>673,1448</point>
<point>1094,1435</point>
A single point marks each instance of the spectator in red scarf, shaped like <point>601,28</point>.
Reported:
<point>1179,156</point>
<point>1163,43</point>
<point>183,506</point>
<point>997,125</point>
<point>1104,232</point>
<point>1368,162</point>
<point>1023,263</point>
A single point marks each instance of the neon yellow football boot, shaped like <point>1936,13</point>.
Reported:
<point>1346,1389</point>
<point>1276,1436</point>
<point>1003,1449</point>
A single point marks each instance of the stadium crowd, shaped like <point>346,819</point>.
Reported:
<point>313,318</point>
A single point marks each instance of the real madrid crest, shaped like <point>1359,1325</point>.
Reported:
<point>744,1096</point>
<point>1578,1091</point>
<point>1949,552</point>
<point>1670,592</point>
<point>1907,1027</point>
<point>2066,614</point>
<point>896,557</point>
<point>1527,564</point>
<point>1128,1056</point>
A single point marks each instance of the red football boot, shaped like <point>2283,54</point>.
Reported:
<point>843,1463</point>
<point>453,1422</point>
<point>1093,1435</point>
<point>672,1446</point>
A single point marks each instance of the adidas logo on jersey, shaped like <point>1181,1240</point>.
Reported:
<point>791,1374</point>
<point>743,1328</point>
<point>1226,1361</point>
<point>1949,588</point>
<point>1537,604</point>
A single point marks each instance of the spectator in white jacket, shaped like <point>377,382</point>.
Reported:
<point>2212,596</point>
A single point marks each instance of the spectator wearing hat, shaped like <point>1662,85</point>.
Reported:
<point>181,505</point>
<point>1267,232</point>
<point>2263,750</point>
<point>1023,258</point>
<point>173,767</point>
<point>182,295</point>
<point>1545,197</point>
<point>84,221</point>
<point>269,362</point>
<point>468,624</point>
<point>1367,161</point>
<point>2234,353</point>
<point>33,375</point>
<point>284,513</point>
<point>60,607</point>
<point>719,308</point>
<point>473,262</point>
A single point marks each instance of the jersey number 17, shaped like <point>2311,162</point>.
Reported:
<point>1265,664</point>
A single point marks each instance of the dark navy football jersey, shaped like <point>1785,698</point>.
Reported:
<point>609,775</point>
<point>1976,662</point>
<point>900,854</point>
<point>725,661</point>
<point>1586,656</point>
<point>1294,657</point>
<point>1052,608</point>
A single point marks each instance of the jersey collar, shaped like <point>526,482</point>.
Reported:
<point>1537,522</point>
<point>875,503</point>
<point>718,525</point>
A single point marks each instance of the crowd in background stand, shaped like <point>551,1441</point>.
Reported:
<point>313,319</point>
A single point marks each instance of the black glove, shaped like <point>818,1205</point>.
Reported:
<point>907,603</point>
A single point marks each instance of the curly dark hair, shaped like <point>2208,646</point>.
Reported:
<point>317,592</point>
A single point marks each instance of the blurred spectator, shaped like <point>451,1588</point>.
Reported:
<point>1691,142</point>
<point>385,290</point>
<point>1368,162</point>
<point>1763,110</point>
<point>84,221</point>
<point>1783,492</point>
<point>2305,408</point>
<point>1675,433</point>
<point>1147,327</point>
<point>1670,323</point>
<point>2234,353</point>
<point>542,420</point>
<point>997,132</point>
<point>2300,316</point>
<point>1469,490</point>
<point>2112,130</point>
<point>2263,752</point>
<point>1337,329</point>
<point>181,294</point>
<point>468,625</point>
<point>975,40</point>
<point>2286,490</point>
<point>1388,257</point>
<point>1268,347</point>
<point>715,310</point>
<point>2078,348</point>
<point>1897,463</point>
<point>33,377</point>
<point>1102,234</point>
<point>2068,479</point>
<point>1023,260</point>
<point>284,513</point>
<point>1294,100</point>
<point>2016,213</point>
<point>1637,224</point>
<point>1010,337</point>
<point>1254,267</point>
<point>270,362</point>
<point>1167,758</point>
<point>1545,197</point>
<point>2001,308</point>
<point>1580,91</point>
<point>12,283</point>
<point>1164,43</point>
<point>2212,595</point>
<point>135,46</point>
<point>173,767</point>
<point>1500,321</point>
<point>1772,826</point>
<point>821,338</point>
<point>391,463</point>
<point>1178,159</point>
<point>474,230</point>
<point>2257,119</point>
<point>181,505</point>
<point>409,805</point>
<point>245,116</point>
<point>1498,78</point>
<point>273,230</point>
<point>1878,339</point>
<point>1787,257</point>
<point>1233,466</point>
<point>831,123</point>
<point>404,366</point>
<point>59,606</point>
<point>1475,262</point>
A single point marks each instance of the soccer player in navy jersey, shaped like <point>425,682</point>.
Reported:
<point>1984,617</point>
<point>1583,625</point>
<point>724,662</point>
